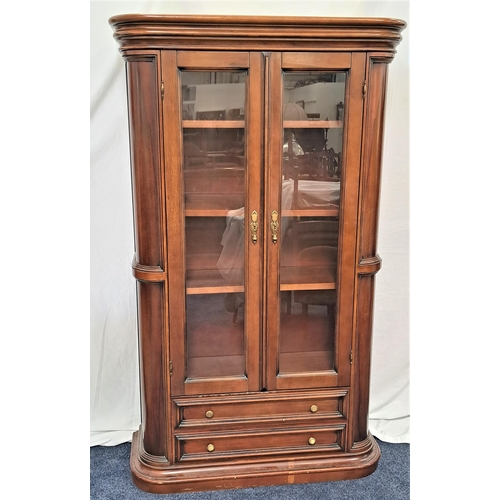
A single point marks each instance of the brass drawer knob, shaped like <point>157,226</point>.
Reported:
<point>312,441</point>
<point>209,414</point>
<point>210,447</point>
<point>314,409</point>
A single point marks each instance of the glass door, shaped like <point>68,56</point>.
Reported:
<point>312,109</point>
<point>218,222</point>
<point>213,122</point>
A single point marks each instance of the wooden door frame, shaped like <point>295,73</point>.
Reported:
<point>354,65</point>
<point>172,63</point>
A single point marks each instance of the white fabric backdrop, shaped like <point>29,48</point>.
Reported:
<point>114,382</point>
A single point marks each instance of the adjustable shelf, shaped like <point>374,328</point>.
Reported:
<point>312,124</point>
<point>213,123</point>
<point>206,281</point>
<point>307,278</point>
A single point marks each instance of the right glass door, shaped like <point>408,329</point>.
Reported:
<point>309,118</point>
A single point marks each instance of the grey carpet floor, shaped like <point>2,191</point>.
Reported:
<point>110,479</point>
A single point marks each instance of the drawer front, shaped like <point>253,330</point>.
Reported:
<point>260,407</point>
<point>213,446</point>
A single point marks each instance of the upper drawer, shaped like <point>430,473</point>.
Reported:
<point>261,406</point>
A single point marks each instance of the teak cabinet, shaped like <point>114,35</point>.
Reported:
<point>255,153</point>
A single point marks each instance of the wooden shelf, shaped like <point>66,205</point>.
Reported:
<point>241,124</point>
<point>222,212</point>
<point>312,124</point>
<point>213,123</point>
<point>206,212</point>
<point>212,210</point>
<point>212,204</point>
<point>288,287</point>
<point>205,281</point>
<point>332,211</point>
<point>307,278</point>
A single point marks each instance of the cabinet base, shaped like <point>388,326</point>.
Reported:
<point>156,475</point>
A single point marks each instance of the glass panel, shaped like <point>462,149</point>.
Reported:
<point>215,343</point>
<point>214,164</point>
<point>313,119</point>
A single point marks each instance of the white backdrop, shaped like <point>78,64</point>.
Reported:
<point>114,382</point>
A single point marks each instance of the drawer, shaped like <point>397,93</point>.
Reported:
<point>219,445</point>
<point>260,407</point>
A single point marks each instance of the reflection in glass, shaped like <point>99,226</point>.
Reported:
<point>213,109</point>
<point>213,95</point>
<point>312,165</point>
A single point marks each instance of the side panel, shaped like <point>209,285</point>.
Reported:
<point>145,154</point>
<point>143,90</point>
<point>150,302</point>
<point>368,260</point>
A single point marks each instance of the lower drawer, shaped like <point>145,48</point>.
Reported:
<point>219,445</point>
<point>257,407</point>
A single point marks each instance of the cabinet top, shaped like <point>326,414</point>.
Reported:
<point>157,31</point>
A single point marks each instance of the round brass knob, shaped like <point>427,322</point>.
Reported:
<point>210,447</point>
<point>312,441</point>
<point>314,409</point>
<point>209,414</point>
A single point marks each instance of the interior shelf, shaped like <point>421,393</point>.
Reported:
<point>203,281</point>
<point>206,281</point>
<point>332,211</point>
<point>206,212</point>
<point>241,124</point>
<point>219,205</point>
<point>213,123</point>
<point>212,205</point>
<point>312,124</point>
<point>192,211</point>
<point>307,278</point>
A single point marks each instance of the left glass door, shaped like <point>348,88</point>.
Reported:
<point>217,220</point>
<point>213,167</point>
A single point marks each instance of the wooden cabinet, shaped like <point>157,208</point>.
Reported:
<point>255,153</point>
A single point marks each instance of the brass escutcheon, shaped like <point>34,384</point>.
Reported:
<point>254,225</point>
<point>274,226</point>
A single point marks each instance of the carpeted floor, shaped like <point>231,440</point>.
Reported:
<point>110,479</point>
